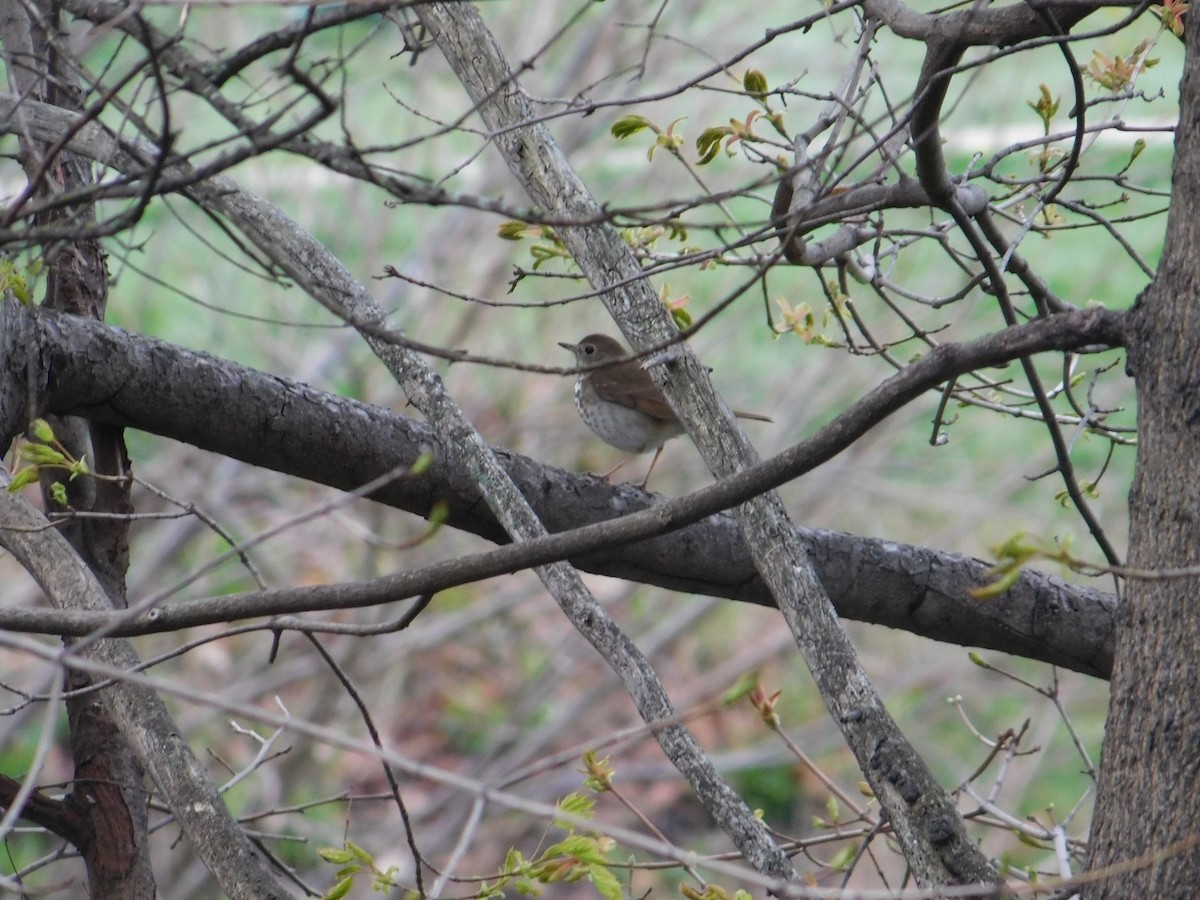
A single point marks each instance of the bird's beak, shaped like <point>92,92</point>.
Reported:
<point>567,346</point>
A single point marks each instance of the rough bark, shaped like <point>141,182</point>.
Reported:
<point>1067,626</point>
<point>133,381</point>
<point>1146,832</point>
<point>108,794</point>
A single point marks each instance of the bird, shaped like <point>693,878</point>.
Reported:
<point>621,403</point>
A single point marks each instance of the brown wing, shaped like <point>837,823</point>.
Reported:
<point>628,385</point>
<point>649,400</point>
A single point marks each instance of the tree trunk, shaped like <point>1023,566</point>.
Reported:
<point>108,798</point>
<point>1147,821</point>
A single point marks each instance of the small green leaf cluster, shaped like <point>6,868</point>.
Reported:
<point>577,858</point>
<point>1021,549</point>
<point>713,892</point>
<point>665,138</point>
<point>1117,73</point>
<point>677,307</point>
<point>1045,107</point>
<point>355,861</point>
<point>710,141</point>
<point>641,239</point>
<point>1170,14</point>
<point>42,451</point>
<point>804,322</point>
<point>755,85</point>
<point>14,280</point>
<point>547,244</point>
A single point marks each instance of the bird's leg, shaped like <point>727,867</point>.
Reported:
<point>613,471</point>
<point>657,454</point>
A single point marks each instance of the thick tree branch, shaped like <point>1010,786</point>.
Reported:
<point>996,26</point>
<point>59,817</point>
<point>111,376</point>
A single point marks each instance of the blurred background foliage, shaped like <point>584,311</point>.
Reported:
<point>491,679</point>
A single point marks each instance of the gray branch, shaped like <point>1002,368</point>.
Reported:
<point>111,376</point>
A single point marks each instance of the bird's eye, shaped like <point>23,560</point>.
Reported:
<point>589,349</point>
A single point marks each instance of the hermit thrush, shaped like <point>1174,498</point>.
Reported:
<point>621,403</point>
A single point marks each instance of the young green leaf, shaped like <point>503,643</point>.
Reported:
<point>708,145</point>
<point>629,125</point>
<point>755,83</point>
